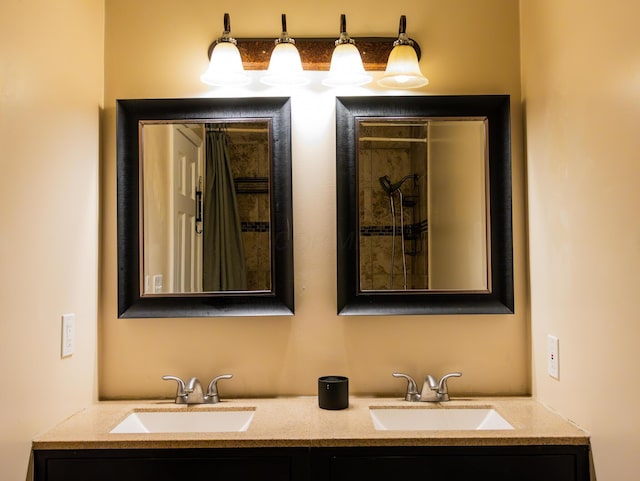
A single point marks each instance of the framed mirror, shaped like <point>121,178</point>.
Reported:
<point>424,205</point>
<point>204,207</point>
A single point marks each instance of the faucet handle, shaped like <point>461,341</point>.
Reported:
<point>181,393</point>
<point>442,387</point>
<point>212,396</point>
<point>412,388</point>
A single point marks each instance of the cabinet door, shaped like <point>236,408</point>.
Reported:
<point>452,464</point>
<point>169,465</point>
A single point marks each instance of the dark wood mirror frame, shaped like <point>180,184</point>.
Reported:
<point>352,300</point>
<point>280,299</point>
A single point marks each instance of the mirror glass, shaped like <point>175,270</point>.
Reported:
<point>422,210</point>
<point>424,205</point>
<point>204,207</point>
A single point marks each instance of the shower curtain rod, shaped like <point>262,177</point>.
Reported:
<point>391,124</point>
<point>232,129</point>
<point>238,129</point>
<point>391,139</point>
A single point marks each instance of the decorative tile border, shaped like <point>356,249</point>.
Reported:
<point>410,230</point>
<point>254,226</point>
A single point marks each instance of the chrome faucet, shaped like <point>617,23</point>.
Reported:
<point>432,390</point>
<point>192,392</point>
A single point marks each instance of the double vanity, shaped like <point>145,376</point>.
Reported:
<point>398,161</point>
<point>293,439</point>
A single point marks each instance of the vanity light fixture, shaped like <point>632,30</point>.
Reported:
<point>403,70</point>
<point>285,66</point>
<point>346,63</point>
<point>225,67</point>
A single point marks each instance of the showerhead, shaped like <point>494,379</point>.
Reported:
<point>385,182</point>
<point>390,188</point>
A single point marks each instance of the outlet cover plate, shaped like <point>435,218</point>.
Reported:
<point>553,362</point>
<point>68,334</point>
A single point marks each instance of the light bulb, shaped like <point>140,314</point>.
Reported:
<point>285,65</point>
<point>225,66</point>
<point>403,69</point>
<point>346,63</point>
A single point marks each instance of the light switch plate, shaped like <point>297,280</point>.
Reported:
<point>553,362</point>
<point>157,283</point>
<point>68,334</point>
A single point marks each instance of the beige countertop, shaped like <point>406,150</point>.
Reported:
<point>298,421</point>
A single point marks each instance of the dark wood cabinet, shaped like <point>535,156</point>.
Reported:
<point>478,463</point>
<point>245,464</point>
<point>453,463</point>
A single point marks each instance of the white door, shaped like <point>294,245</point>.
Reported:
<point>187,242</point>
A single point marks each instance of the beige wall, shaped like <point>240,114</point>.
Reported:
<point>157,49</point>
<point>581,89</point>
<point>51,77</point>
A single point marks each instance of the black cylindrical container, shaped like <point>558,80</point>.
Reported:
<point>333,392</point>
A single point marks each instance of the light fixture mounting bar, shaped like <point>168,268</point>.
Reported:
<point>315,53</point>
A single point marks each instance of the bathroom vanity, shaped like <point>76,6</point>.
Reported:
<point>292,439</point>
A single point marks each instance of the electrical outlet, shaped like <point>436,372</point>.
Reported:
<point>68,334</point>
<point>553,362</point>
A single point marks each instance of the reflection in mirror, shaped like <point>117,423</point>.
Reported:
<point>206,206</point>
<point>422,204</point>
<point>205,224</point>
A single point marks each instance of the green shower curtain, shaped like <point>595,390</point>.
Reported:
<point>223,253</point>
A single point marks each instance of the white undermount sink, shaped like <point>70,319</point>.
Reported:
<point>218,421</point>
<point>437,419</point>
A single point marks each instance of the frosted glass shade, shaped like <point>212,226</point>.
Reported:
<point>346,67</point>
<point>285,66</point>
<point>403,70</point>
<point>225,67</point>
